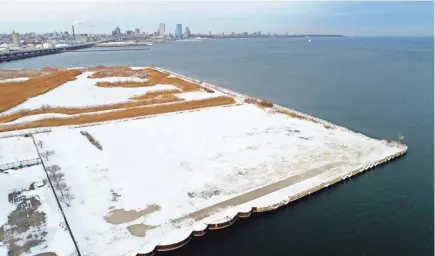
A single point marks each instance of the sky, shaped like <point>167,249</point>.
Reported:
<point>351,18</point>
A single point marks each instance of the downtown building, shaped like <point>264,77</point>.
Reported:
<point>178,31</point>
<point>162,29</point>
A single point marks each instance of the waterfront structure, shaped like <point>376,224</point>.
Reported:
<point>16,38</point>
<point>162,29</point>
<point>186,32</point>
<point>178,31</point>
<point>137,32</point>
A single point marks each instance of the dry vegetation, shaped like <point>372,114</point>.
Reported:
<point>258,102</point>
<point>153,77</point>
<point>71,111</point>
<point>91,139</point>
<point>15,93</point>
<point>123,113</point>
<point>141,105</point>
<point>296,115</point>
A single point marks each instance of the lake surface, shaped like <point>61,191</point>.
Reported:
<point>378,86</point>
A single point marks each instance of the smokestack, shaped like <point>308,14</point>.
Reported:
<point>74,35</point>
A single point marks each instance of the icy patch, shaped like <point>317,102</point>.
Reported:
<point>120,79</point>
<point>138,68</point>
<point>14,80</point>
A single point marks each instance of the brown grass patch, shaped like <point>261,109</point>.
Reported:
<point>15,93</point>
<point>295,115</point>
<point>49,69</point>
<point>71,111</point>
<point>123,113</point>
<point>259,103</point>
<point>153,77</point>
<point>156,94</point>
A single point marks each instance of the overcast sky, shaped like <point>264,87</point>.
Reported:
<point>349,18</point>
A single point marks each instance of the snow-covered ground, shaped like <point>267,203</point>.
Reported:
<point>82,92</point>
<point>157,179</point>
<point>15,149</point>
<point>35,204</point>
<point>16,79</point>
<point>157,176</point>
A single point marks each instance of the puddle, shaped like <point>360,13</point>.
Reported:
<point>139,230</point>
<point>119,216</point>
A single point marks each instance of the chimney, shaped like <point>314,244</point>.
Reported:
<point>74,35</point>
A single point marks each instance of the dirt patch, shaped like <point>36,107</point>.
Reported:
<point>119,216</point>
<point>18,92</point>
<point>139,230</point>
<point>259,192</point>
<point>24,219</point>
<point>46,254</point>
<point>123,113</point>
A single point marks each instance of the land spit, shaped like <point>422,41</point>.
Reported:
<point>164,178</point>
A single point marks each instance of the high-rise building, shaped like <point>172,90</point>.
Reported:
<point>178,31</point>
<point>116,32</point>
<point>16,38</point>
<point>186,32</point>
<point>162,29</point>
<point>137,32</point>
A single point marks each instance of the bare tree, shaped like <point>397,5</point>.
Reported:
<point>47,154</point>
<point>66,198</point>
<point>53,169</point>
<point>40,144</point>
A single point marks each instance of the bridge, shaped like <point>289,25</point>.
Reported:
<point>24,54</point>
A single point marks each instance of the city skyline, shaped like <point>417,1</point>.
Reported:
<point>348,18</point>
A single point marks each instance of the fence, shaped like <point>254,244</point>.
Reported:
<point>20,164</point>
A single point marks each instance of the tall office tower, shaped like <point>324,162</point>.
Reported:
<point>178,31</point>
<point>162,29</point>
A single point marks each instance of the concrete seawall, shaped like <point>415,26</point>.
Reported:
<point>333,180</point>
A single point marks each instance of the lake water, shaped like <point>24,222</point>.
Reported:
<point>378,86</point>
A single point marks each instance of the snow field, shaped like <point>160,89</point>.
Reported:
<point>186,163</point>
<point>15,149</point>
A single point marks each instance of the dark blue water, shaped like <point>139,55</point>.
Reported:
<point>378,86</point>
